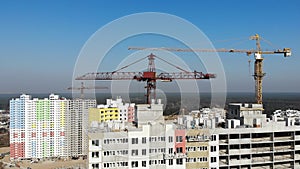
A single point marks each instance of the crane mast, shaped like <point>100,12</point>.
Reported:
<point>258,69</point>
<point>258,65</point>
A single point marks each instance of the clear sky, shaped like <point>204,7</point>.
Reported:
<point>40,40</point>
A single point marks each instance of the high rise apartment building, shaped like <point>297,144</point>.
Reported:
<point>49,127</point>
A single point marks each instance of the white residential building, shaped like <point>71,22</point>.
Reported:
<point>149,144</point>
<point>246,139</point>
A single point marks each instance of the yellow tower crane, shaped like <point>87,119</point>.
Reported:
<point>258,66</point>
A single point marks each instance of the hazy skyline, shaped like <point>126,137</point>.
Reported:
<point>40,40</point>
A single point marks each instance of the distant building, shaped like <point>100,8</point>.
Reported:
<point>77,126</point>
<point>49,127</point>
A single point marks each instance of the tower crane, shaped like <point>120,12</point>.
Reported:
<point>82,88</point>
<point>258,66</point>
<point>150,76</point>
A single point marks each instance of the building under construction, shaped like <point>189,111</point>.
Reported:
<point>246,139</point>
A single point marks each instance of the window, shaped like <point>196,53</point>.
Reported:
<point>178,138</point>
<point>134,164</point>
<point>95,154</point>
<point>213,159</point>
<point>153,150</point>
<point>179,150</point>
<point>143,151</point>
<point>179,161</point>
<point>170,139</point>
<point>143,163</point>
<point>161,139</point>
<point>213,137</point>
<point>95,142</point>
<point>213,148</point>
<point>134,141</point>
<point>152,139</point>
<point>134,152</point>
<point>170,161</point>
<point>95,166</point>
<point>144,140</point>
<point>170,150</point>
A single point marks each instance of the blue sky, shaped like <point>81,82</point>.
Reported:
<point>40,40</point>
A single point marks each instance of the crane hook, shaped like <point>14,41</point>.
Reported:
<point>249,66</point>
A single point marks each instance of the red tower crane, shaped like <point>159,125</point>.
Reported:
<point>150,76</point>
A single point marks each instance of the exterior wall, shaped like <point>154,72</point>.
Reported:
<point>180,141</point>
<point>213,156</point>
<point>103,114</point>
<point>197,147</point>
<point>144,148</point>
<point>131,113</point>
<point>149,113</point>
<point>17,127</point>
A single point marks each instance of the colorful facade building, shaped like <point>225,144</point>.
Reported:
<point>113,110</point>
<point>49,127</point>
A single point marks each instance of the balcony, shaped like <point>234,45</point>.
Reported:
<point>261,159</point>
<point>196,139</point>
<point>223,142</point>
<point>261,167</point>
<point>236,151</point>
<point>279,139</point>
<point>283,166</point>
<point>245,151</point>
<point>263,139</point>
<point>283,158</point>
<point>223,152</point>
<point>174,156</point>
<point>239,141</point>
<point>239,162</point>
<point>261,150</point>
<point>223,162</point>
<point>283,148</point>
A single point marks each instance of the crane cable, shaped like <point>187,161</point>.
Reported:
<point>172,64</point>
<point>129,65</point>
